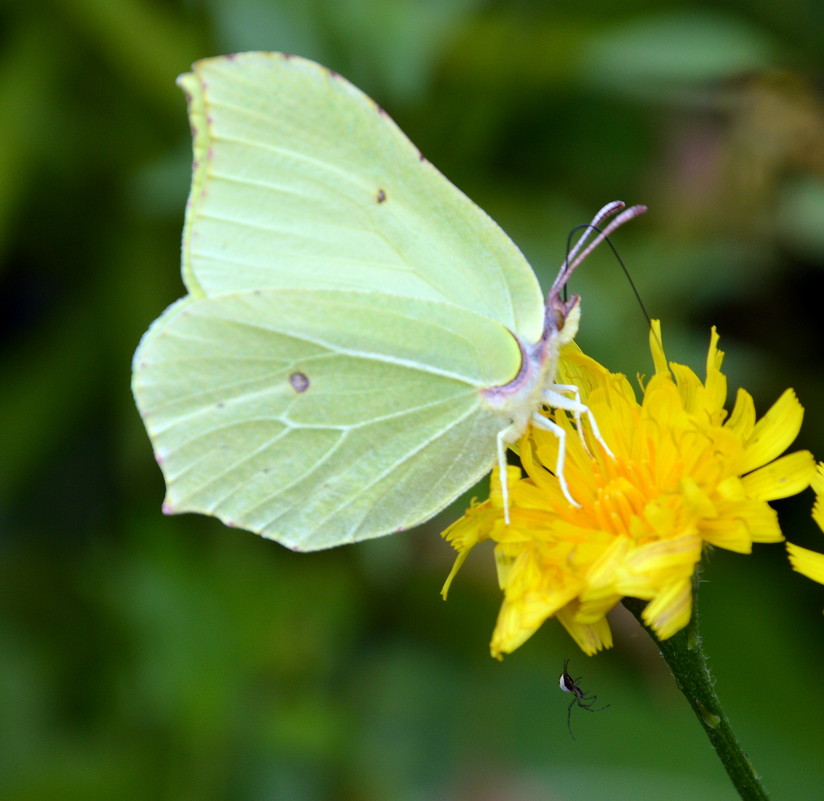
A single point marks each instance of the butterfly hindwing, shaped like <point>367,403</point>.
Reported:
<point>315,417</point>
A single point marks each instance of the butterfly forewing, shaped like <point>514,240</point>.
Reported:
<point>302,181</point>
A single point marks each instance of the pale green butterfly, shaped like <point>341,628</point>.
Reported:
<point>360,342</point>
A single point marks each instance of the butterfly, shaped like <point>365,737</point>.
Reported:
<point>359,342</point>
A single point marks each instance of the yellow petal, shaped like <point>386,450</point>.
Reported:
<point>774,432</point>
<point>808,563</point>
<point>505,558</point>
<point>780,479</point>
<point>509,632</point>
<point>590,637</point>
<point>670,610</point>
<point>818,480</point>
<point>665,554</point>
<point>742,418</point>
<point>454,572</point>
<point>696,500</point>
<point>466,532</point>
<point>496,497</point>
<point>732,535</point>
<point>689,386</point>
<point>656,346</point>
<point>715,357</point>
<point>716,380</point>
<point>818,511</point>
<point>593,608</point>
<point>602,571</point>
<point>762,522</point>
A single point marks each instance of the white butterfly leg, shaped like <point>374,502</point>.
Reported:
<point>554,398</point>
<point>551,397</point>
<point>555,392</point>
<point>548,425</point>
<point>504,438</point>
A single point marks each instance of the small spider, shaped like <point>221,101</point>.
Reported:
<point>570,685</point>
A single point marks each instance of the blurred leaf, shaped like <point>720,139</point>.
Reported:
<point>663,55</point>
<point>25,74</point>
<point>801,216</point>
<point>290,26</point>
<point>143,42</point>
<point>386,47</point>
<point>46,389</point>
<point>394,46</point>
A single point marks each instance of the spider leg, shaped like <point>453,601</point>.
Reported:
<point>589,706</point>
<point>569,717</point>
<point>598,709</point>
<point>582,699</point>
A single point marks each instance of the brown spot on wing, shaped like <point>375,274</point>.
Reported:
<point>299,382</point>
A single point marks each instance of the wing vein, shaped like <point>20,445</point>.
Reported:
<point>390,467</point>
<point>339,350</point>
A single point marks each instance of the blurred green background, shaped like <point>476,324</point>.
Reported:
<point>146,657</point>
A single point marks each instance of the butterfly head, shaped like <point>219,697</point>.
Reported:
<point>561,318</point>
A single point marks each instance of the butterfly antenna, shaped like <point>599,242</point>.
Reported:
<point>581,249</point>
<point>630,281</point>
<point>607,211</point>
<point>593,227</point>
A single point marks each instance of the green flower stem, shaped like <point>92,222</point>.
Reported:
<point>685,657</point>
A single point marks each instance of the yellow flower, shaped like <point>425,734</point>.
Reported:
<point>682,474</point>
<point>809,563</point>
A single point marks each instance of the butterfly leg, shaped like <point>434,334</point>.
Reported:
<point>548,425</point>
<point>558,390</point>
<point>503,441</point>
<point>554,398</point>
